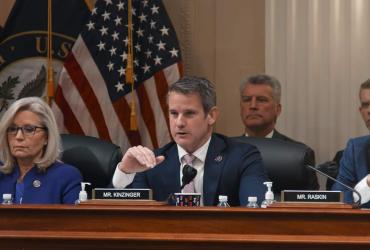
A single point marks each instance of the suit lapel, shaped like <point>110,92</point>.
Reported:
<point>213,166</point>
<point>172,168</point>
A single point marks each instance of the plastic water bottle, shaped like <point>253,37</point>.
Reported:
<point>252,202</point>
<point>7,199</point>
<point>269,196</point>
<point>222,201</point>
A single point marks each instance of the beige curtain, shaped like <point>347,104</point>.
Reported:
<point>320,51</point>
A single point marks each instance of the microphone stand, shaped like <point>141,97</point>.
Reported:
<point>356,204</point>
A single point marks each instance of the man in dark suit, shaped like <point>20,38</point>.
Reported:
<point>224,167</point>
<point>260,108</point>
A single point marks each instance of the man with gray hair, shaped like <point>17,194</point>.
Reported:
<point>260,108</point>
<point>223,167</point>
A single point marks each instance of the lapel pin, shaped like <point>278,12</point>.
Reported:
<point>218,158</point>
<point>36,183</point>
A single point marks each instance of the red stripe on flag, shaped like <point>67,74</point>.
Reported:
<point>87,94</point>
<point>162,89</point>
<point>147,114</point>
<point>123,112</point>
<point>70,121</point>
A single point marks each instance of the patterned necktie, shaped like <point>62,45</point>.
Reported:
<point>189,188</point>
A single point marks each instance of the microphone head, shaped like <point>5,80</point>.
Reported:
<point>188,174</point>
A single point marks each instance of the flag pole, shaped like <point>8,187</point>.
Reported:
<point>50,71</point>
<point>130,68</point>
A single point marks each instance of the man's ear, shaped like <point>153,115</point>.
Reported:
<point>212,115</point>
<point>278,109</point>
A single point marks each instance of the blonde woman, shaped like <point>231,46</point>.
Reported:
<point>29,150</point>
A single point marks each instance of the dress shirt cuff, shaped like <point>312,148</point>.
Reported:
<point>364,190</point>
<point>121,179</point>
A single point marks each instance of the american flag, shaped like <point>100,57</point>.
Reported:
<point>92,97</point>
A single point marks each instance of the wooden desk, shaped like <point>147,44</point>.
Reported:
<point>162,227</point>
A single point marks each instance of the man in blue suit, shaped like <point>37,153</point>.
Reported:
<point>223,167</point>
<point>354,164</point>
<point>364,97</point>
<point>354,170</point>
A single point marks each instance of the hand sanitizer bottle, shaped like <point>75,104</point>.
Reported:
<point>83,194</point>
<point>269,196</point>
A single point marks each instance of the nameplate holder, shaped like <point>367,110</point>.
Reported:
<point>122,194</point>
<point>311,196</point>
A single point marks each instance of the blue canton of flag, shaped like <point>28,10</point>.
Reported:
<point>93,97</point>
<point>155,43</point>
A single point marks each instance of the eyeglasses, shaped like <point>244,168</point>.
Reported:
<point>27,130</point>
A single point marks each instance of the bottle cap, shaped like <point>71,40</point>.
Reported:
<point>252,199</point>
<point>222,198</point>
<point>7,196</point>
<point>268,185</point>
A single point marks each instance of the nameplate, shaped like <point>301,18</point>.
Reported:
<point>311,196</point>
<point>121,194</point>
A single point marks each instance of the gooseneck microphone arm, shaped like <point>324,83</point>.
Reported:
<point>356,204</point>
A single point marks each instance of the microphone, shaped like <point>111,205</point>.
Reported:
<point>317,169</point>
<point>188,174</point>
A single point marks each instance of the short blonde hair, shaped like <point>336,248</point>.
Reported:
<point>37,106</point>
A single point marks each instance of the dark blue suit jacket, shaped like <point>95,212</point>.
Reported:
<point>61,183</point>
<point>353,166</point>
<point>231,168</point>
